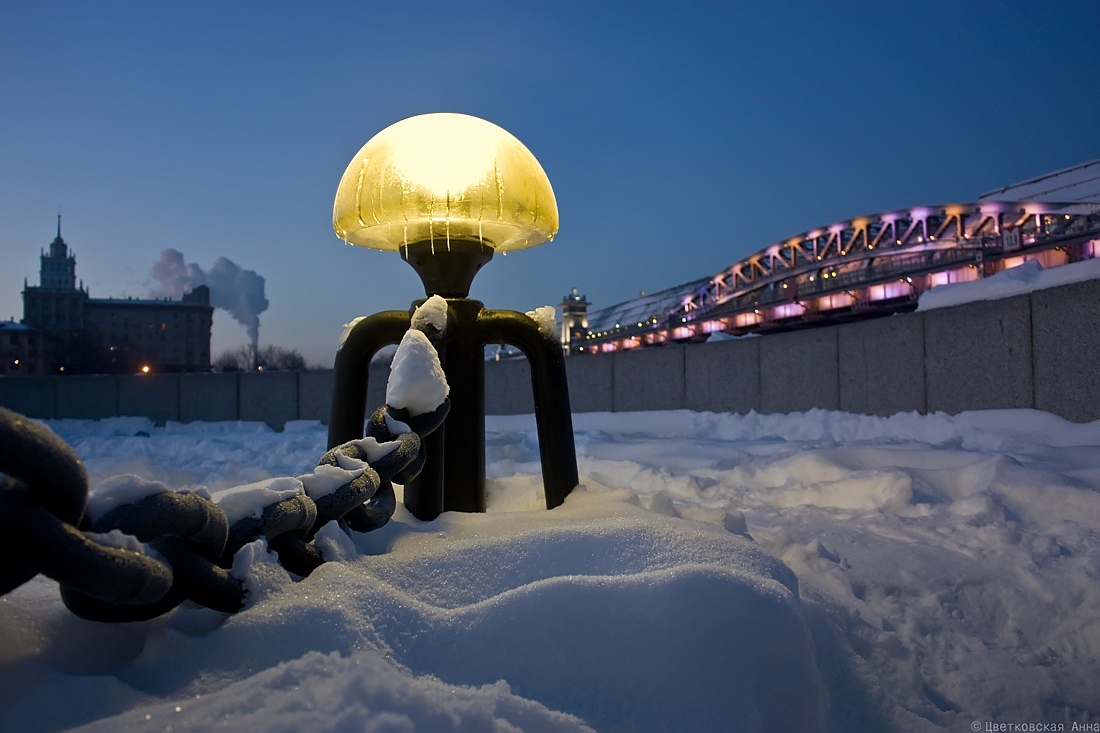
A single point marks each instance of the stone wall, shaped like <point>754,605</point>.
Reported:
<point>1040,350</point>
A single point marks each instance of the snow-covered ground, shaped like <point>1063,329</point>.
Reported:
<point>817,571</point>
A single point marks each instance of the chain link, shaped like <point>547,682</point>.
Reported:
<point>142,559</point>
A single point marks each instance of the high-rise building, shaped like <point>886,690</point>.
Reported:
<point>82,335</point>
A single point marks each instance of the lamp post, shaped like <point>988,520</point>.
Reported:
<point>448,191</point>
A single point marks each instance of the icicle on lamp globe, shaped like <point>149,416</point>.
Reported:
<point>443,177</point>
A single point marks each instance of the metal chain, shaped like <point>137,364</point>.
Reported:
<point>142,559</point>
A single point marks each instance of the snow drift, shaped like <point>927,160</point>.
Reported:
<point>817,571</point>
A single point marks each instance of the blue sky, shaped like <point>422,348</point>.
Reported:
<point>678,137</point>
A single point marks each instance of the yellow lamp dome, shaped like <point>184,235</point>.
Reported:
<point>444,176</point>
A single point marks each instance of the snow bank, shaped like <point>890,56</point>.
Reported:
<point>361,691</point>
<point>600,612</point>
<point>945,566</point>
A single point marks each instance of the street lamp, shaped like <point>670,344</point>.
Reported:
<point>447,191</point>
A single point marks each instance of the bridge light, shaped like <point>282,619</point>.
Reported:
<point>897,241</point>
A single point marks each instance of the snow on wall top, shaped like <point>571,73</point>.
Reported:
<point>1077,183</point>
<point>1007,283</point>
<point>644,307</point>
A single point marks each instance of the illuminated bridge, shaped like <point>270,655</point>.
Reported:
<point>868,266</point>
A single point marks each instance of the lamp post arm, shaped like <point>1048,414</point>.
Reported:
<point>553,419</point>
<point>352,370</point>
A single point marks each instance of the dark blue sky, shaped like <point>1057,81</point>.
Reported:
<point>678,137</point>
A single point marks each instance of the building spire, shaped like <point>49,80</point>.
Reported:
<point>58,247</point>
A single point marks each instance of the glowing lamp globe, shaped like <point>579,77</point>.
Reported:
<point>444,177</point>
<point>448,191</point>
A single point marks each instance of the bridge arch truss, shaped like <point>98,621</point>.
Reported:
<point>870,265</point>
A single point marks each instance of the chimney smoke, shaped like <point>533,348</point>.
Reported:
<point>238,291</point>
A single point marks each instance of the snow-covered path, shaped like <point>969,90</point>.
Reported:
<point>946,574</point>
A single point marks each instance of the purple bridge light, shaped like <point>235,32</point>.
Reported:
<point>868,266</point>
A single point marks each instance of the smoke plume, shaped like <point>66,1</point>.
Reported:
<point>240,292</point>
